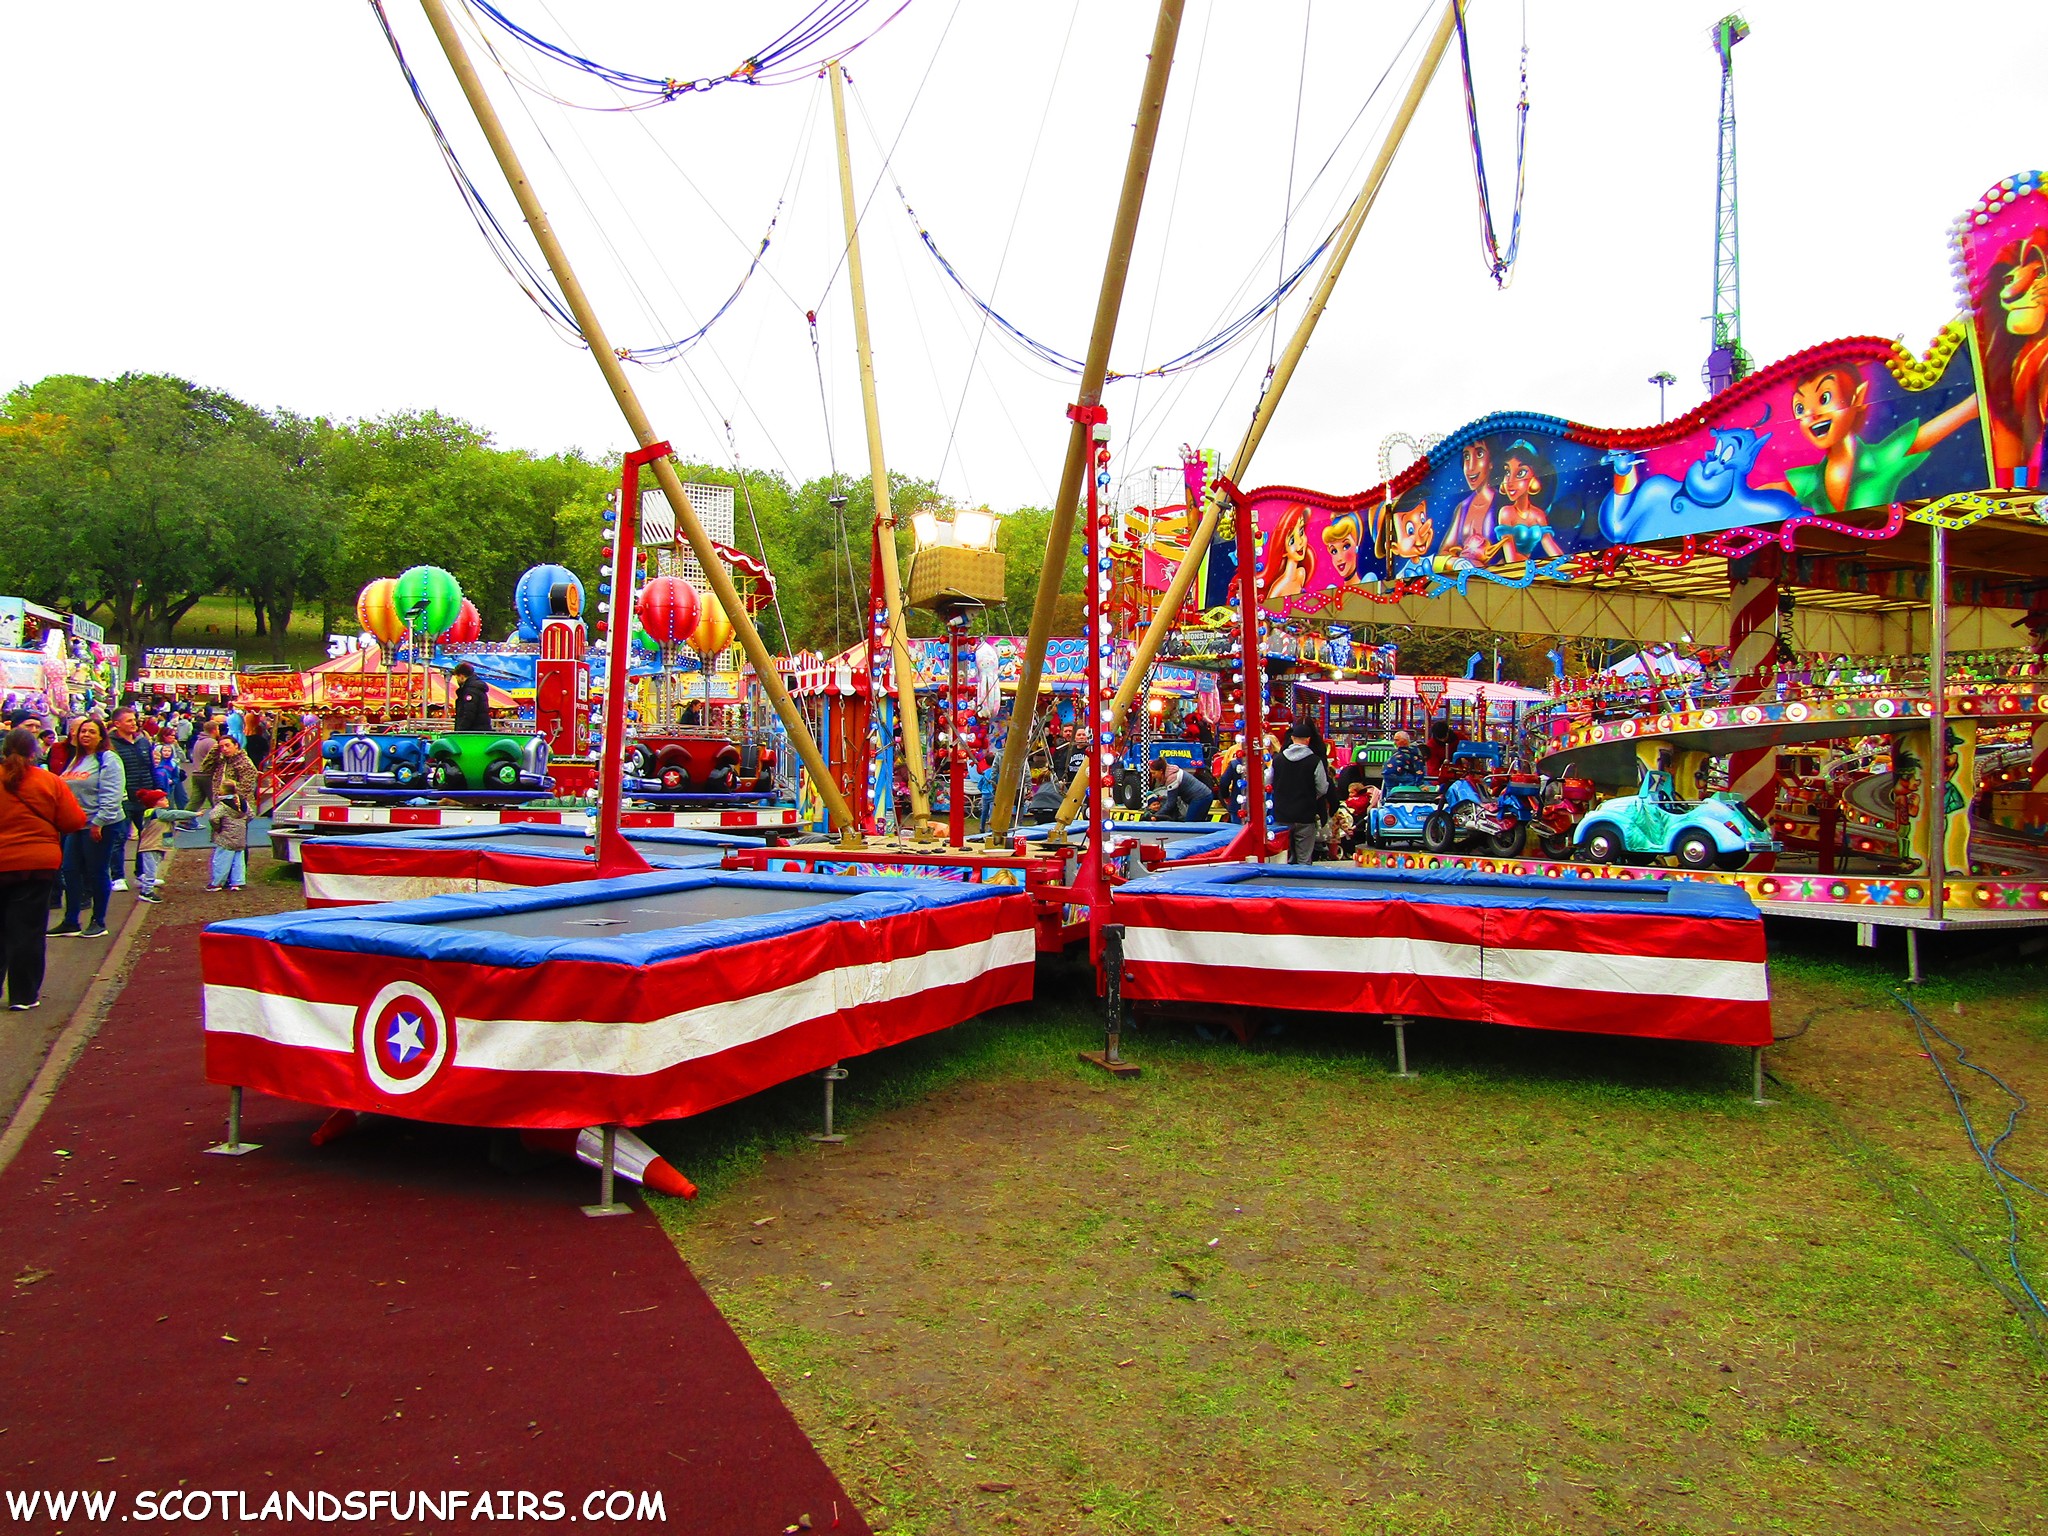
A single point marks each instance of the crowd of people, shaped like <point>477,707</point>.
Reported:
<point>75,793</point>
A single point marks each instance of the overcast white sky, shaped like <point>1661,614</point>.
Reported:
<point>244,194</point>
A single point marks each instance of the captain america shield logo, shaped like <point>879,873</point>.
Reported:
<point>403,1037</point>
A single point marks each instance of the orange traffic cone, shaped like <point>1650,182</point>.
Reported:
<point>632,1158</point>
<point>334,1127</point>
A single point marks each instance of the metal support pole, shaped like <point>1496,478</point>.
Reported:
<point>1756,1077</point>
<point>613,368</point>
<point>1400,1023</point>
<point>1208,516</point>
<point>1094,873</point>
<point>1094,370</point>
<point>878,468</point>
<point>1347,237</point>
<point>615,855</point>
<point>1937,723</point>
<point>607,1175</point>
<point>956,764</point>
<point>234,1146</point>
<point>1110,1057</point>
<point>1253,841</point>
<point>832,1074</point>
<point>1912,957</point>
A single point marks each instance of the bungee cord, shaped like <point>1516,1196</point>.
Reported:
<point>1224,339</point>
<point>536,284</point>
<point>1499,262</point>
<point>773,64</point>
<point>1009,239</point>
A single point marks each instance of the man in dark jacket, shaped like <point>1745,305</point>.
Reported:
<point>472,700</point>
<point>139,766</point>
<point>1300,785</point>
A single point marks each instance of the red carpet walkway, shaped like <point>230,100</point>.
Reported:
<point>387,1313</point>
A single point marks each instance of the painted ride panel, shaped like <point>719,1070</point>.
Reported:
<point>621,1001</point>
<point>1667,960</point>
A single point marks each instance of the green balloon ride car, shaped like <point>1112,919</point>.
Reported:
<point>1716,833</point>
<point>493,760</point>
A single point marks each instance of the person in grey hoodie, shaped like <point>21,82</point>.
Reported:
<point>95,777</point>
<point>1300,786</point>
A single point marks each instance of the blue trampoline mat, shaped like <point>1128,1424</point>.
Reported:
<point>629,920</point>
<point>1460,887</point>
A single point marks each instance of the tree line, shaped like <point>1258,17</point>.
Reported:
<point>130,500</point>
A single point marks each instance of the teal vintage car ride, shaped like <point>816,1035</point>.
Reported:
<point>1716,833</point>
<point>493,760</point>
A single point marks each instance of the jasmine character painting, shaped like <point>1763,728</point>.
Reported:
<point>1523,524</point>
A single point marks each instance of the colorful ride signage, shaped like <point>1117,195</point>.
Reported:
<point>196,668</point>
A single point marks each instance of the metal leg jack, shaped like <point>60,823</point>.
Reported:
<point>1756,1076</point>
<point>1400,1023</point>
<point>1110,1057</point>
<point>1912,957</point>
<point>832,1075</point>
<point>234,1146</point>
<point>607,1179</point>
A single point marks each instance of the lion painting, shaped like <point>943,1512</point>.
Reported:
<point>2015,343</point>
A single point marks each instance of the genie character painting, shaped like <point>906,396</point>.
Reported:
<point>1715,492</point>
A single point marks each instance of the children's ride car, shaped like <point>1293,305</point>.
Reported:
<point>683,761</point>
<point>1717,833</point>
<point>489,760</point>
<point>1562,805</point>
<point>1498,823</point>
<point>373,761</point>
<point>1401,814</point>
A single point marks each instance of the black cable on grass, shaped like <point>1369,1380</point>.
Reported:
<point>2002,1178</point>
<point>1890,1170</point>
<point>1804,1025</point>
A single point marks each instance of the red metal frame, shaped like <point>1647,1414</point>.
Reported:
<point>1091,882</point>
<point>956,797</point>
<point>1254,842</point>
<point>616,856</point>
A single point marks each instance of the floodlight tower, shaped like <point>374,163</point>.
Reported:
<point>1727,362</point>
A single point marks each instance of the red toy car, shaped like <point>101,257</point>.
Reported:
<point>691,761</point>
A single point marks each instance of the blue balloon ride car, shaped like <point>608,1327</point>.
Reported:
<point>374,760</point>
<point>1719,832</point>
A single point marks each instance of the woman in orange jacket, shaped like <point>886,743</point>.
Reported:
<point>36,812</point>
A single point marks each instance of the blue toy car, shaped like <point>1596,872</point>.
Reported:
<point>1404,810</point>
<point>1716,833</point>
<point>374,762</point>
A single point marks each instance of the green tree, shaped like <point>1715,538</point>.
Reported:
<point>421,488</point>
<point>120,510</point>
<point>277,520</point>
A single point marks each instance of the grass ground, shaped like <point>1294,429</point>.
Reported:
<point>221,621</point>
<point>1555,1284</point>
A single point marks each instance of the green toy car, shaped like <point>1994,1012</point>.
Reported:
<point>1716,833</point>
<point>489,760</point>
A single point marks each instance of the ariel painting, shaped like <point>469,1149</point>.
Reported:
<point>1288,562</point>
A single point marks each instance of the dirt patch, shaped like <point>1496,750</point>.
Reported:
<point>1555,1284</point>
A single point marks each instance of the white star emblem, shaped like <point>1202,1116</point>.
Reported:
<point>404,1039</point>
